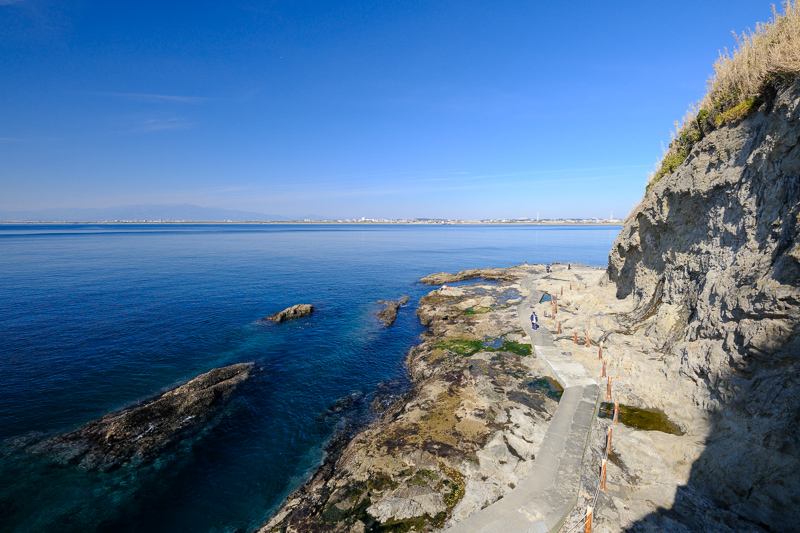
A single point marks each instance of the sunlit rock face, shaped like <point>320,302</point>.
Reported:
<point>711,259</point>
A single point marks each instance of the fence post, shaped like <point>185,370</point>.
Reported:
<point>589,513</point>
<point>608,389</point>
<point>616,412</point>
<point>603,476</point>
<point>576,337</point>
<point>559,327</point>
<point>608,442</point>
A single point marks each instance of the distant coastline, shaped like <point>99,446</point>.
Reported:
<point>615,222</point>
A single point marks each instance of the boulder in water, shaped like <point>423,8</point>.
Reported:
<point>389,314</point>
<point>295,311</point>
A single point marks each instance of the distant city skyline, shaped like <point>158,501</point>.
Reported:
<point>193,213</point>
<point>459,110</point>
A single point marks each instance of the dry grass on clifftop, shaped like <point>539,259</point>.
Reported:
<point>764,61</point>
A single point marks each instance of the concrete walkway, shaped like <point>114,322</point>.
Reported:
<point>542,501</point>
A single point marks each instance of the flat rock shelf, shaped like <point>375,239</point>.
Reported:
<point>544,499</point>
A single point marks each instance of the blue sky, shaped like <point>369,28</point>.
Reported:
<point>455,109</point>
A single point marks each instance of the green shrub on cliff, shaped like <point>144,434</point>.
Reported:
<point>765,61</point>
<point>738,112</point>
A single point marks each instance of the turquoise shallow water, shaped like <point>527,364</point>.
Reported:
<point>95,318</point>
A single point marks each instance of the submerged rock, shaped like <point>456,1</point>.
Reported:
<point>389,314</point>
<point>295,311</point>
<point>140,433</point>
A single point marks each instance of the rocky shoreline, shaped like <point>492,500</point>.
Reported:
<point>461,438</point>
<point>468,430</point>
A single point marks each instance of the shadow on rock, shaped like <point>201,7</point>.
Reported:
<point>746,479</point>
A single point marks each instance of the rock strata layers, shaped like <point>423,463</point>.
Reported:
<point>389,314</point>
<point>141,433</point>
<point>295,311</point>
<point>460,439</point>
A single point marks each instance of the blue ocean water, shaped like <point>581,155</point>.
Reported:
<point>97,317</point>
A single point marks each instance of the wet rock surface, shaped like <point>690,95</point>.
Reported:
<point>462,437</point>
<point>389,314</point>
<point>295,311</point>
<point>140,433</point>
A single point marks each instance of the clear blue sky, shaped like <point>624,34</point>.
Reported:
<point>459,109</point>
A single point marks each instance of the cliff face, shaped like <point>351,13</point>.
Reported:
<point>711,262</point>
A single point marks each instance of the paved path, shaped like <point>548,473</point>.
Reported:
<point>542,501</point>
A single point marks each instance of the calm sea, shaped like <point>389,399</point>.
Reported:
<point>97,317</point>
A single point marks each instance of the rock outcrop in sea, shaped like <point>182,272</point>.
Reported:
<point>488,274</point>
<point>389,313</point>
<point>142,432</point>
<point>295,311</point>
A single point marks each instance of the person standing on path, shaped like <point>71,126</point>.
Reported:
<point>534,321</point>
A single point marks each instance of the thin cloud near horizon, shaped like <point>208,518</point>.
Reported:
<point>164,124</point>
<point>159,98</point>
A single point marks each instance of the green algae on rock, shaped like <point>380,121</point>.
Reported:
<point>640,418</point>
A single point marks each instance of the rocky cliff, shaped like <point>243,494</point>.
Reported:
<point>710,261</point>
